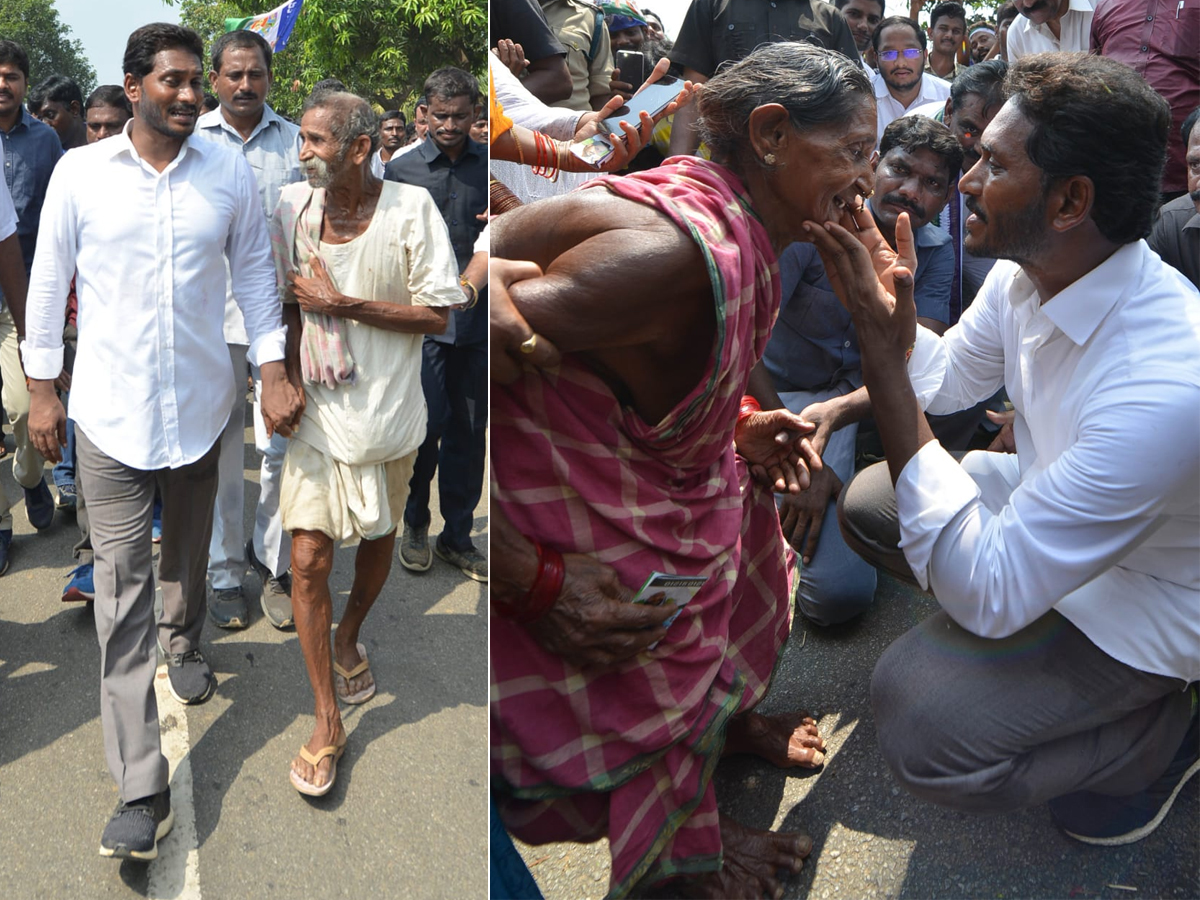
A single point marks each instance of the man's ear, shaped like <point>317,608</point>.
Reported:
<point>1070,202</point>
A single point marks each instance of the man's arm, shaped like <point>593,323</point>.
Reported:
<point>548,79</point>
<point>320,295</point>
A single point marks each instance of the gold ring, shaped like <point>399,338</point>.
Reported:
<point>529,344</point>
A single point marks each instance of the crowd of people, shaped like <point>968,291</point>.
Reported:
<point>870,295</point>
<point>157,262</point>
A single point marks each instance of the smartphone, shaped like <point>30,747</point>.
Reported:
<point>653,98</point>
<point>633,66</point>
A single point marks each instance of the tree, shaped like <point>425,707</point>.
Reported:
<point>381,49</point>
<point>34,24</point>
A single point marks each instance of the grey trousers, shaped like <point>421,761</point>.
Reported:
<point>120,500</point>
<point>992,726</point>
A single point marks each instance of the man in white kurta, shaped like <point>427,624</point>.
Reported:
<point>371,269</point>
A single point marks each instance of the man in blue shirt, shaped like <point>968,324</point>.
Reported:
<point>812,366</point>
<point>454,373</point>
<point>31,150</point>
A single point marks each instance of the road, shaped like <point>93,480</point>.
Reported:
<point>871,839</point>
<point>406,818</point>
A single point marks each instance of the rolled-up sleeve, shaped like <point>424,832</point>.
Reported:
<point>50,278</point>
<point>432,269</point>
<point>252,272</point>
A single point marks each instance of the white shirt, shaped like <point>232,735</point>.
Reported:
<point>1098,514</point>
<point>1075,31</point>
<point>889,109</point>
<point>8,212</point>
<point>152,385</point>
<point>273,151</point>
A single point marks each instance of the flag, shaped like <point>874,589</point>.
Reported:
<point>276,25</point>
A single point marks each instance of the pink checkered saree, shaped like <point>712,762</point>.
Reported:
<point>630,754</point>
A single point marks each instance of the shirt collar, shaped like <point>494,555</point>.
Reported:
<point>1193,222</point>
<point>429,150</point>
<point>1079,308</point>
<point>215,119</point>
<point>122,143</point>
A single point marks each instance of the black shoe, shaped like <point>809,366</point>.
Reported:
<point>1112,821</point>
<point>470,561</point>
<point>415,554</point>
<point>227,608</point>
<point>135,828</point>
<point>190,678</point>
<point>39,506</point>
<point>5,542</point>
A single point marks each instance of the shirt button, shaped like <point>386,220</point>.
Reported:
<point>454,196</point>
<point>454,222</point>
<point>847,344</point>
<point>1144,48</point>
<point>1149,18</point>
<point>731,28</point>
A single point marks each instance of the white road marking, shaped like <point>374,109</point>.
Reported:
<point>175,874</point>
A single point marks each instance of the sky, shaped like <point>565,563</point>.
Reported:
<point>103,28</point>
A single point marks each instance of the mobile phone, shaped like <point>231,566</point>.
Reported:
<point>632,65</point>
<point>653,98</point>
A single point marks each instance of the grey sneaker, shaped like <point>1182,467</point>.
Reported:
<point>414,548</point>
<point>471,562</point>
<point>276,600</point>
<point>190,678</point>
<point>227,608</point>
<point>135,828</point>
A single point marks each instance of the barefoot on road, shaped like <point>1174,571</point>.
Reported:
<point>784,740</point>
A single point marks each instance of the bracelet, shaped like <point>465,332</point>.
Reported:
<point>748,408</point>
<point>472,290</point>
<point>543,594</point>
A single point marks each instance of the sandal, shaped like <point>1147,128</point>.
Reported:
<point>314,759</point>
<point>341,680</point>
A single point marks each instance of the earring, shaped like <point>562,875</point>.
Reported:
<point>769,159</point>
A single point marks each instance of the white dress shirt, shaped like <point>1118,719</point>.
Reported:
<point>273,151</point>
<point>1075,33</point>
<point>888,109</point>
<point>1097,515</point>
<point>152,386</point>
<point>8,213</point>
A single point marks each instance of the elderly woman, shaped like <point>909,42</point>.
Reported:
<point>627,448</point>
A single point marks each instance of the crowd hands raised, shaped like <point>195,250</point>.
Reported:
<point>160,250</point>
<point>818,255</point>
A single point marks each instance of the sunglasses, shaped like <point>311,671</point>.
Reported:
<point>890,55</point>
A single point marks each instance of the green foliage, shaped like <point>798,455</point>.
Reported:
<point>382,49</point>
<point>975,10</point>
<point>34,24</point>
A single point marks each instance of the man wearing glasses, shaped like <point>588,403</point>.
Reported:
<point>902,84</point>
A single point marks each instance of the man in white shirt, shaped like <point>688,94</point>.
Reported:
<point>1046,26</point>
<point>146,220</point>
<point>902,84</point>
<point>391,140</point>
<point>1068,572</point>
<point>241,76</point>
<point>374,259</point>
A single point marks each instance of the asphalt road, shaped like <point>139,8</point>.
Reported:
<point>406,818</point>
<point>872,840</point>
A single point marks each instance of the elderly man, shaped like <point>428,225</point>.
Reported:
<point>1058,669</point>
<point>812,365</point>
<point>371,269</point>
<point>147,220</point>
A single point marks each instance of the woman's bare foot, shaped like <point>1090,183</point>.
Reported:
<point>753,860</point>
<point>324,735</point>
<point>785,740</point>
<point>345,651</point>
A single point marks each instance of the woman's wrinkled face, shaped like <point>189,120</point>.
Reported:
<point>826,169</point>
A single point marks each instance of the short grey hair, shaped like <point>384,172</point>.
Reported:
<point>815,85</point>
<point>355,117</point>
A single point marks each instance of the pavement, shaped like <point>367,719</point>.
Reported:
<point>406,818</point>
<point>873,840</point>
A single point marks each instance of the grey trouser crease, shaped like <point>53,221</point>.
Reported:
<point>986,725</point>
<point>120,499</point>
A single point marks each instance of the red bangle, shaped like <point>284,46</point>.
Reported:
<point>547,585</point>
<point>748,407</point>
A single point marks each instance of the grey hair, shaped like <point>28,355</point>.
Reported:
<point>355,117</point>
<point>815,85</point>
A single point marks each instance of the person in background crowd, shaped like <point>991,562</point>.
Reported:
<point>1046,26</point>
<point>31,150</point>
<point>546,74</point>
<point>241,74</point>
<point>391,138</point>
<point>947,31</point>
<point>479,128</point>
<point>580,27</point>
<point>58,102</point>
<point>1176,233</point>
<point>902,85</point>
<point>981,38</point>
<point>863,16</point>
<point>1006,14</point>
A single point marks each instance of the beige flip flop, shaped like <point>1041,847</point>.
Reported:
<point>341,680</point>
<point>314,759</point>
